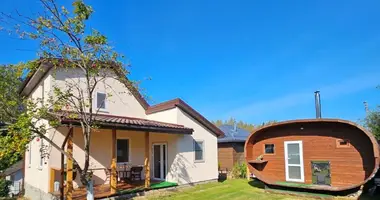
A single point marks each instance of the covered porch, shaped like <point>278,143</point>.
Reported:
<point>127,155</point>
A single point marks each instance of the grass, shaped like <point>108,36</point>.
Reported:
<point>238,189</point>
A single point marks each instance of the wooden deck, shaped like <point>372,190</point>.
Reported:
<point>103,191</point>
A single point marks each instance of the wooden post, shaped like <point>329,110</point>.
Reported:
<point>69,168</point>
<point>147,160</point>
<point>52,179</point>
<point>113,179</point>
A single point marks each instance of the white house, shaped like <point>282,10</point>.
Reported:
<point>15,175</point>
<point>178,143</point>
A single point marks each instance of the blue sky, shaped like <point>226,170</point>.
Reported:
<point>252,60</point>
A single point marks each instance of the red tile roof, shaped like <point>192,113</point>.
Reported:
<point>131,123</point>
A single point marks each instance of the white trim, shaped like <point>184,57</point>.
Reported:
<point>129,149</point>
<point>162,173</point>
<point>203,151</point>
<point>301,165</point>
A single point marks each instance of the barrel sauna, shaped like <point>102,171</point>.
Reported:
<point>318,154</point>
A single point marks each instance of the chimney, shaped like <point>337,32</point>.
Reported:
<point>235,126</point>
<point>318,112</point>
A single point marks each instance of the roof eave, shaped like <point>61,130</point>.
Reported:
<point>118,126</point>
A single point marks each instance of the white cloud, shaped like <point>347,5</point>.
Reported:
<point>346,87</point>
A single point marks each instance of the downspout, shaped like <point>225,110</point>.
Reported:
<point>63,163</point>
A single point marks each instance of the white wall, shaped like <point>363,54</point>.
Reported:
<point>35,175</point>
<point>184,169</point>
<point>119,101</point>
<point>193,171</point>
<point>168,116</point>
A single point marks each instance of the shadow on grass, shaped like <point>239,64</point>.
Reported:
<point>256,183</point>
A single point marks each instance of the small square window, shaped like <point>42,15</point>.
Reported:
<point>101,100</point>
<point>341,143</point>
<point>269,148</point>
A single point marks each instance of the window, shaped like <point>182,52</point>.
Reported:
<point>101,100</point>
<point>269,148</point>
<point>41,164</point>
<point>122,150</point>
<point>198,150</point>
<point>342,143</point>
<point>30,154</point>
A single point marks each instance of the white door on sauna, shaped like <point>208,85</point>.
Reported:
<point>294,168</point>
<point>160,161</point>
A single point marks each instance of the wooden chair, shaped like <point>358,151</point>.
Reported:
<point>136,173</point>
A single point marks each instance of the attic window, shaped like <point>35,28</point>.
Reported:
<point>269,148</point>
<point>342,143</point>
<point>101,100</point>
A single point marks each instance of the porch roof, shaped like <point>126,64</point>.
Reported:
<point>131,123</point>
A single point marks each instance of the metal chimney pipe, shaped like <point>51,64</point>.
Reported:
<point>318,112</point>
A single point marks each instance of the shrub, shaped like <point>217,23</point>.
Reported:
<point>4,187</point>
<point>239,170</point>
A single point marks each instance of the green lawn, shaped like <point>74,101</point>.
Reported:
<point>231,189</point>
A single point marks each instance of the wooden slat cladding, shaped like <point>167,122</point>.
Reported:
<point>238,153</point>
<point>225,156</point>
<point>230,153</point>
<point>349,165</point>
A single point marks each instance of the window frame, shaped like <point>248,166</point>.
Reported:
<point>41,160</point>
<point>30,154</point>
<point>274,149</point>
<point>105,102</point>
<point>129,151</point>
<point>338,145</point>
<point>203,151</point>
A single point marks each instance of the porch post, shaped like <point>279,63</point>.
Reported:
<point>147,160</point>
<point>69,168</point>
<point>113,179</point>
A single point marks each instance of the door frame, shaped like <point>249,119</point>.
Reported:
<point>301,165</point>
<point>166,161</point>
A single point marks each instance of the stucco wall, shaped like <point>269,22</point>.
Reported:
<point>119,99</point>
<point>37,176</point>
<point>184,169</point>
<point>192,171</point>
<point>169,116</point>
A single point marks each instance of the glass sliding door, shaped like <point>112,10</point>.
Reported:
<point>159,161</point>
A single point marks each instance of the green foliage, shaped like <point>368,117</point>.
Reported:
<point>372,122</point>
<point>239,170</point>
<point>10,102</point>
<point>4,187</point>
<point>65,43</point>
<point>241,124</point>
<point>372,119</point>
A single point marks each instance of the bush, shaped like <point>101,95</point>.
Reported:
<point>239,170</point>
<point>4,187</point>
